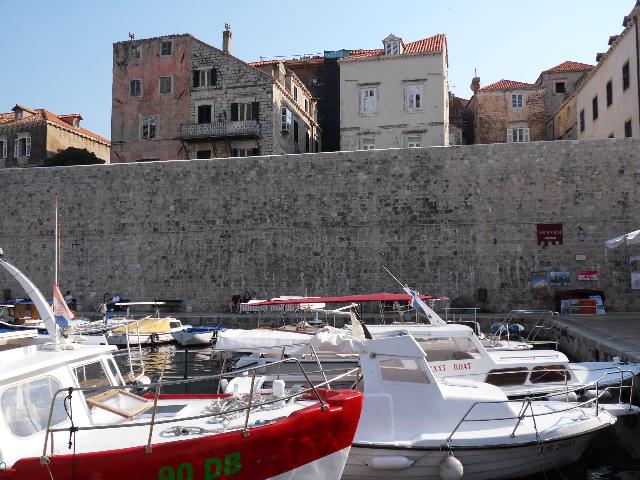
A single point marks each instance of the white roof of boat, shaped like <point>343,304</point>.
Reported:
<point>33,359</point>
<point>18,334</point>
<point>124,304</point>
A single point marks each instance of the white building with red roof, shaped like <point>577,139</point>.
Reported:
<point>396,96</point>
<point>28,136</point>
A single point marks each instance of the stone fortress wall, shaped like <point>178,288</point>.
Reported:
<point>448,221</point>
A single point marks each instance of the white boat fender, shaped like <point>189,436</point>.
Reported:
<point>451,468</point>
<point>390,463</point>
<point>223,384</point>
<point>278,391</point>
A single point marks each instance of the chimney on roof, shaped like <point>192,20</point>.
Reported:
<point>226,39</point>
<point>475,85</point>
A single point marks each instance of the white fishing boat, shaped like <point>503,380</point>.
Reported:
<point>65,412</point>
<point>453,351</point>
<point>414,425</point>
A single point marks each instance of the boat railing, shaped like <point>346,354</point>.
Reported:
<point>526,404</point>
<point>454,315</point>
<point>544,321</point>
<point>312,389</point>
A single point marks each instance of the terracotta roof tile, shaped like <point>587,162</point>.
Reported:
<point>262,63</point>
<point>570,66</point>
<point>41,114</point>
<point>435,43</point>
<point>509,85</point>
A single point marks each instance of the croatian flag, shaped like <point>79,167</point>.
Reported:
<point>61,311</point>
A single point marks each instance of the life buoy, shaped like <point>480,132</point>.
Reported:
<point>155,338</point>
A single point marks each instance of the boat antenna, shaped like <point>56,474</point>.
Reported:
<point>394,277</point>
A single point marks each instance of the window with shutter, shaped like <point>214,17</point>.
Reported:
<point>27,147</point>
<point>16,148</point>
<point>234,112</point>
<point>3,147</point>
<point>295,131</point>
<point>196,78</point>
<point>509,135</point>
<point>214,76</point>
<point>255,111</point>
<point>369,100</point>
<point>204,114</point>
<point>414,97</point>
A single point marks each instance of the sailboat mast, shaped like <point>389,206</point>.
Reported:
<point>57,248</point>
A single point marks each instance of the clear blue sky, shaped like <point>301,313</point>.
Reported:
<point>57,54</point>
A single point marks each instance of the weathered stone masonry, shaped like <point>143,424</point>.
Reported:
<point>446,220</point>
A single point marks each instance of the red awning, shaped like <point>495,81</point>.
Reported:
<point>372,297</point>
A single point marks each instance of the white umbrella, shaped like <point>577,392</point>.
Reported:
<point>626,239</point>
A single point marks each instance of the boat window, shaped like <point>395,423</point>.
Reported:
<point>402,370</point>
<point>91,375</point>
<point>549,373</point>
<point>448,348</point>
<point>175,324</point>
<point>506,377</point>
<point>25,406</point>
<point>115,372</point>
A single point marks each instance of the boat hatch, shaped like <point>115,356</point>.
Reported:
<point>91,375</point>
<point>167,410</point>
<point>449,348</point>
<point>549,373</point>
<point>507,377</point>
<point>25,406</point>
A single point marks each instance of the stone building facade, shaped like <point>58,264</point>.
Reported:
<point>395,97</point>
<point>509,112</point>
<point>176,97</point>
<point>561,82</point>
<point>608,100</point>
<point>29,136</point>
<point>447,221</point>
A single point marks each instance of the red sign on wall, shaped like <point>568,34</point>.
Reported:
<point>549,233</point>
<point>588,275</point>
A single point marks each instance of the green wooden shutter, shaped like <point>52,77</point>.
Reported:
<point>214,76</point>
<point>255,111</point>
<point>234,112</point>
<point>196,78</point>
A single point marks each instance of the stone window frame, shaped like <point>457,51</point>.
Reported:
<point>208,149</point>
<point>557,83</point>
<point>17,151</point>
<point>207,73</point>
<point>287,119</point>
<point>518,135</point>
<point>162,49</point>
<point>414,141</point>
<point>367,143</point>
<point>418,97</point>
<point>5,146</point>
<point>200,103</point>
<point>294,89</point>
<point>170,77</point>
<point>365,92</point>
<point>151,121</point>
<point>517,100</point>
<point>392,47</point>
<point>594,108</point>
<point>134,51</point>
<point>132,90</point>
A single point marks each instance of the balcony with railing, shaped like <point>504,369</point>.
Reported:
<point>235,129</point>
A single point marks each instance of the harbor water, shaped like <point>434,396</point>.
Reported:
<point>614,454</point>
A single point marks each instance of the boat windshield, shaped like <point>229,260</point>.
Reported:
<point>91,375</point>
<point>25,406</point>
<point>448,348</point>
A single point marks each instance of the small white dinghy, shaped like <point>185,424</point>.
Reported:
<point>196,336</point>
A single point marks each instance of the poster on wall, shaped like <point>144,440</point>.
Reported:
<point>539,284</point>
<point>635,272</point>
<point>559,278</point>
<point>588,275</point>
<point>549,233</point>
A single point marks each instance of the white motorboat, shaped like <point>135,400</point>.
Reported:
<point>65,412</point>
<point>453,350</point>
<point>414,425</point>
<point>196,336</point>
